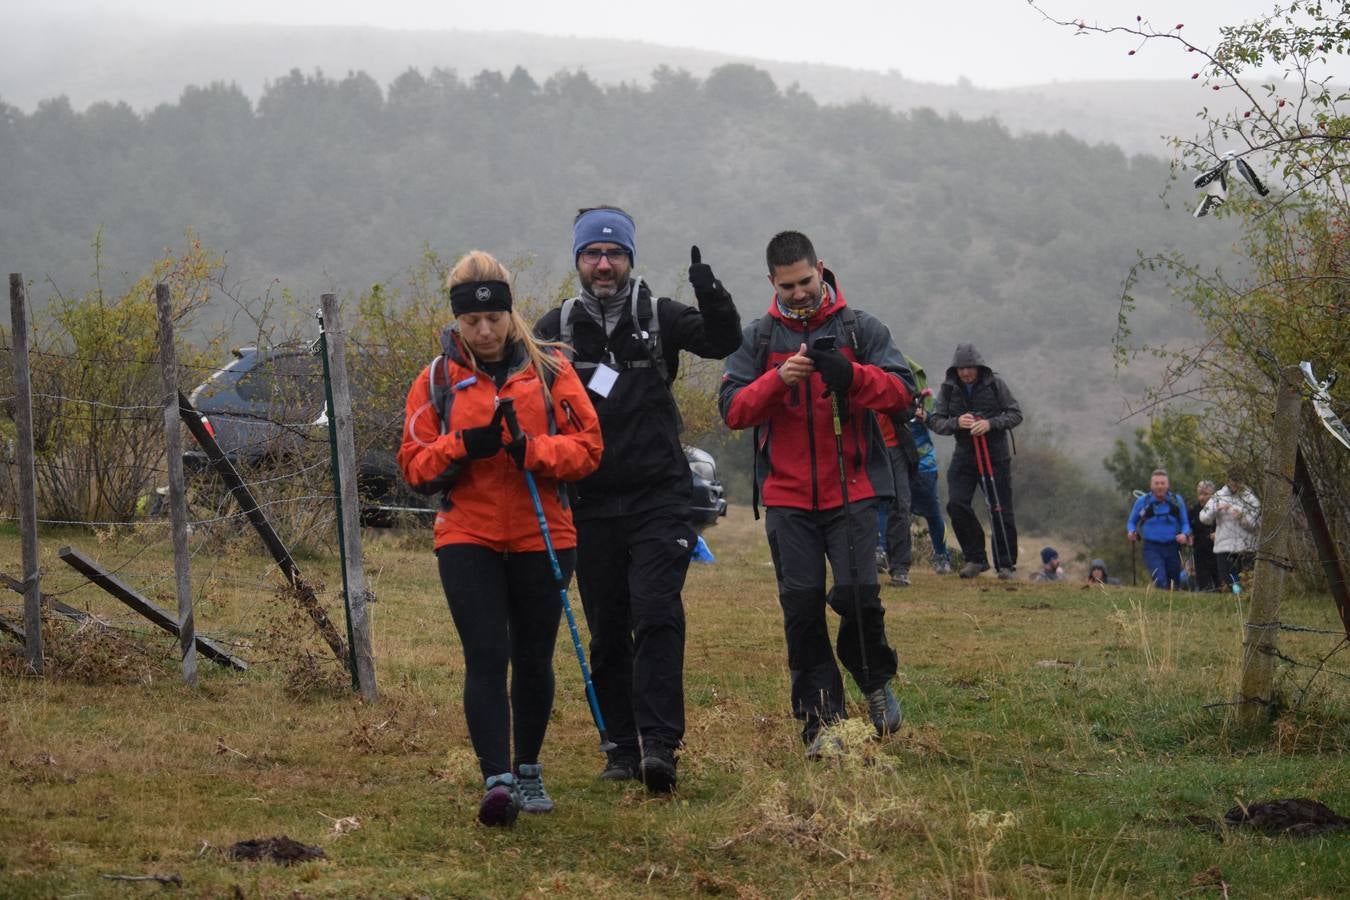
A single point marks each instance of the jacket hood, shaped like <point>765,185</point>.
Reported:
<point>967,355</point>
<point>830,307</point>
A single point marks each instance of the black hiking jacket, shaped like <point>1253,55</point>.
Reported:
<point>643,467</point>
<point>989,398</point>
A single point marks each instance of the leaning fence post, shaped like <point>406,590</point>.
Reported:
<point>341,435</point>
<point>173,449</point>
<point>1260,641</point>
<point>23,421</point>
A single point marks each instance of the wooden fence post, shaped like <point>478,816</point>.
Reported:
<point>173,449</point>
<point>342,434</point>
<point>1261,639</point>
<point>23,421</point>
<point>304,593</point>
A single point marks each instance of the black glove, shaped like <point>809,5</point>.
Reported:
<point>485,440</point>
<point>516,449</point>
<point>706,285</point>
<point>834,368</point>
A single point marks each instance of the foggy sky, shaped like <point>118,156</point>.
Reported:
<point>993,43</point>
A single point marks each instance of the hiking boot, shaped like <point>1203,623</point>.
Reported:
<point>884,710</point>
<point>658,768</point>
<point>622,766</point>
<point>882,562</point>
<point>501,803</point>
<point>972,569</point>
<point>826,745</point>
<point>942,566</point>
<point>900,579</point>
<point>1005,574</point>
<point>530,784</point>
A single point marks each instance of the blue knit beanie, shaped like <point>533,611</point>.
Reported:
<point>1048,554</point>
<point>604,226</point>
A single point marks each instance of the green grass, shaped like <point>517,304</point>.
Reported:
<point>1055,739</point>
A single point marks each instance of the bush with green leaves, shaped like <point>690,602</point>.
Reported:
<point>97,388</point>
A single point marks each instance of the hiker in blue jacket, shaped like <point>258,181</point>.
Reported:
<point>1160,518</point>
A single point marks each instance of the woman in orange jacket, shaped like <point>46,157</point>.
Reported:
<point>493,563</point>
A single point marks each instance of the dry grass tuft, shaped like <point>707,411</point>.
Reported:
<point>91,652</point>
<point>288,641</point>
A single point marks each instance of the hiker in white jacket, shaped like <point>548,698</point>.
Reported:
<point>1235,514</point>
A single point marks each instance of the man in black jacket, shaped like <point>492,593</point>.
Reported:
<point>972,403</point>
<point>634,535</point>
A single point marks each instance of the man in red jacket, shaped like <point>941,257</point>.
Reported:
<point>811,351</point>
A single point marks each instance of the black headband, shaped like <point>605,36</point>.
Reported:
<point>480,296</point>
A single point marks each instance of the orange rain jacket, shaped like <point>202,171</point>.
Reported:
<point>486,501</point>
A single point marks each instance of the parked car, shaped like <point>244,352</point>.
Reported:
<point>710,502</point>
<point>266,405</point>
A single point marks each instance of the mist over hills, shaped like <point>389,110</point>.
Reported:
<point>948,229</point>
<point>145,63</point>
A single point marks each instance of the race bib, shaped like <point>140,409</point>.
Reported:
<point>602,381</point>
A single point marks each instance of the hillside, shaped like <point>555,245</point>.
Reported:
<point>948,229</point>
<point>146,63</point>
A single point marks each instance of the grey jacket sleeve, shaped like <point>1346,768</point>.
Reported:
<point>879,349</point>
<point>941,420</point>
<point>1011,416</point>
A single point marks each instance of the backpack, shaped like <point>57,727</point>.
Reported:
<point>764,331</point>
<point>442,398</point>
<point>649,329</point>
<point>1173,508</point>
<point>443,393</point>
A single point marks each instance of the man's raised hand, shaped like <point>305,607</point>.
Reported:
<point>706,286</point>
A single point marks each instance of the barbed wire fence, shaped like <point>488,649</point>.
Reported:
<point>100,464</point>
<point>96,454</point>
<point>1288,490</point>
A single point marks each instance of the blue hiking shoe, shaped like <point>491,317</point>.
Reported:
<point>501,803</point>
<point>825,745</point>
<point>884,710</point>
<point>530,784</point>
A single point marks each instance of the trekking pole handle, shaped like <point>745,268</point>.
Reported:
<point>507,405</point>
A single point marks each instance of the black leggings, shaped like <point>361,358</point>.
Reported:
<point>506,607</point>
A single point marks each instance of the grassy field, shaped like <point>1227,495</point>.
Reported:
<point>1055,740</point>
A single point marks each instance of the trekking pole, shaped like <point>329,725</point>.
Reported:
<point>984,464</point>
<point>836,420</point>
<point>507,406</point>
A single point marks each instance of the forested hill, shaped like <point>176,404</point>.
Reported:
<point>948,229</point>
<point>146,62</point>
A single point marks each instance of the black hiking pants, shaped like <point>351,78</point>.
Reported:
<point>801,542</point>
<point>963,480</point>
<point>899,542</point>
<point>631,570</point>
<point>506,609</point>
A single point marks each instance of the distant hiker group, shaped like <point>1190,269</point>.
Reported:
<point>1218,534</point>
